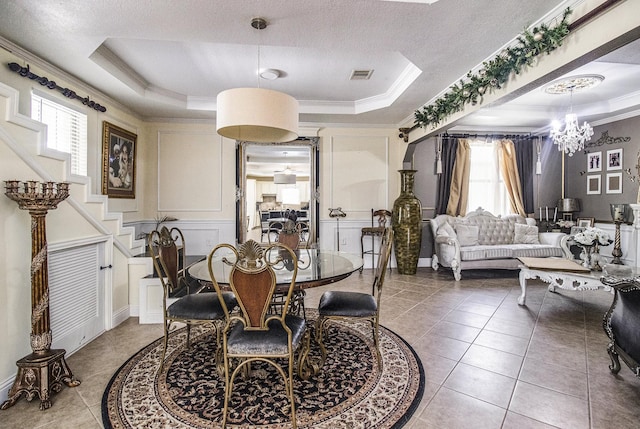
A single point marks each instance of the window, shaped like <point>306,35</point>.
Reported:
<point>486,187</point>
<point>66,130</point>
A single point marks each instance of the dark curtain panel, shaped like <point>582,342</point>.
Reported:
<point>524,159</point>
<point>448,156</point>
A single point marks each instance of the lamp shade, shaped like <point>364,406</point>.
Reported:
<point>284,179</point>
<point>257,115</point>
<point>566,205</point>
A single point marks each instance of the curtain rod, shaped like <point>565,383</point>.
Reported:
<point>494,136</point>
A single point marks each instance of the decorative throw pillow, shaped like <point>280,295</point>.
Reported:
<point>525,234</point>
<point>467,234</point>
<point>446,230</point>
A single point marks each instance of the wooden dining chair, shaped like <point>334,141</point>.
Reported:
<point>256,332</point>
<point>191,309</point>
<point>380,219</point>
<point>348,305</point>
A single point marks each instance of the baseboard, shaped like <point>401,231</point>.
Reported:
<point>122,315</point>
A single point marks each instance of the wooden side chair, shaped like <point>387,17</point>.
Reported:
<point>383,219</point>
<point>347,305</point>
<point>192,309</point>
<point>256,333</point>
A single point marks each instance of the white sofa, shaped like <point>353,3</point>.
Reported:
<point>482,240</point>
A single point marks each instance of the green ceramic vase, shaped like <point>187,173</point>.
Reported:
<point>407,225</point>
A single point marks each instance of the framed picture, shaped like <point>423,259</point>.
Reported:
<point>593,184</point>
<point>585,222</point>
<point>594,162</point>
<point>614,183</point>
<point>118,162</point>
<point>614,159</point>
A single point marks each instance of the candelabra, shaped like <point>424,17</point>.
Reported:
<point>44,370</point>
<point>620,214</point>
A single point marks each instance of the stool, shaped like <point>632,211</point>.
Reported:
<point>384,218</point>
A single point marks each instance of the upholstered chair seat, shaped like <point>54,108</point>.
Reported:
<point>347,304</point>
<point>274,341</point>
<point>201,306</point>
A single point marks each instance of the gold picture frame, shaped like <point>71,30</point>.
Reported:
<point>118,161</point>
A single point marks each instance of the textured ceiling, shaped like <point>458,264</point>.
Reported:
<point>169,59</point>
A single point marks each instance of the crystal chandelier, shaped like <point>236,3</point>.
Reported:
<point>573,137</point>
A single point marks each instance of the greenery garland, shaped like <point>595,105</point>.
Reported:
<point>495,72</point>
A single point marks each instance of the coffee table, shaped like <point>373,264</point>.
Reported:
<point>559,273</point>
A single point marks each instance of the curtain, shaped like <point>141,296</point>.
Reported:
<point>524,159</point>
<point>459,191</point>
<point>509,170</point>
<point>448,157</point>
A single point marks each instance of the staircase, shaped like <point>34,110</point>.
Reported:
<point>23,143</point>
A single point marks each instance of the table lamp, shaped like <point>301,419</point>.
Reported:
<point>620,213</point>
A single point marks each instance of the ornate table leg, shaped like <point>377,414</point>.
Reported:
<point>44,370</point>
<point>523,276</point>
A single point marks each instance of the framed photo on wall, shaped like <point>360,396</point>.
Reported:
<point>118,161</point>
<point>585,222</point>
<point>593,184</point>
<point>614,159</point>
<point>614,183</point>
<point>594,162</point>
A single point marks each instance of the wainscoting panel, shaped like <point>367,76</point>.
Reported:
<point>359,173</point>
<point>189,171</point>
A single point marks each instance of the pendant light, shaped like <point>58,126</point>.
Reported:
<point>257,114</point>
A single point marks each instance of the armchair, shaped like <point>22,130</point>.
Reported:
<point>622,323</point>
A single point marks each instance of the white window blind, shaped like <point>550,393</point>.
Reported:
<point>66,130</point>
<point>73,288</point>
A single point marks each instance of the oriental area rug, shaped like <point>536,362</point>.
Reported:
<point>349,392</point>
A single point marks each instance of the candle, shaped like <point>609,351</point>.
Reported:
<point>546,209</point>
<point>541,211</point>
<point>617,214</point>
<point>555,215</point>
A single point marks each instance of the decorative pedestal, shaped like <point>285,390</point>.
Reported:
<point>406,221</point>
<point>44,370</point>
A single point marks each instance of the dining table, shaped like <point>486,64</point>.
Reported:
<point>316,267</point>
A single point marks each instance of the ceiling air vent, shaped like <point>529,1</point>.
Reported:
<point>361,74</point>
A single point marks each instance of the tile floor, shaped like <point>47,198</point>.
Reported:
<point>488,362</point>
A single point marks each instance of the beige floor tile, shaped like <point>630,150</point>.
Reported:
<point>503,342</point>
<point>510,327</point>
<point>453,410</point>
<point>466,318</point>
<point>545,374</point>
<point>481,384</point>
<point>477,308</point>
<point>493,360</point>
<point>456,331</point>
<point>517,421</point>
<point>436,368</point>
<point>441,346</point>
<point>550,407</point>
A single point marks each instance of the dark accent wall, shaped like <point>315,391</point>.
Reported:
<point>597,206</point>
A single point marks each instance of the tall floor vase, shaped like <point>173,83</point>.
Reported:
<point>407,225</point>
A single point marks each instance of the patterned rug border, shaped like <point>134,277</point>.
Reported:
<point>401,422</point>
